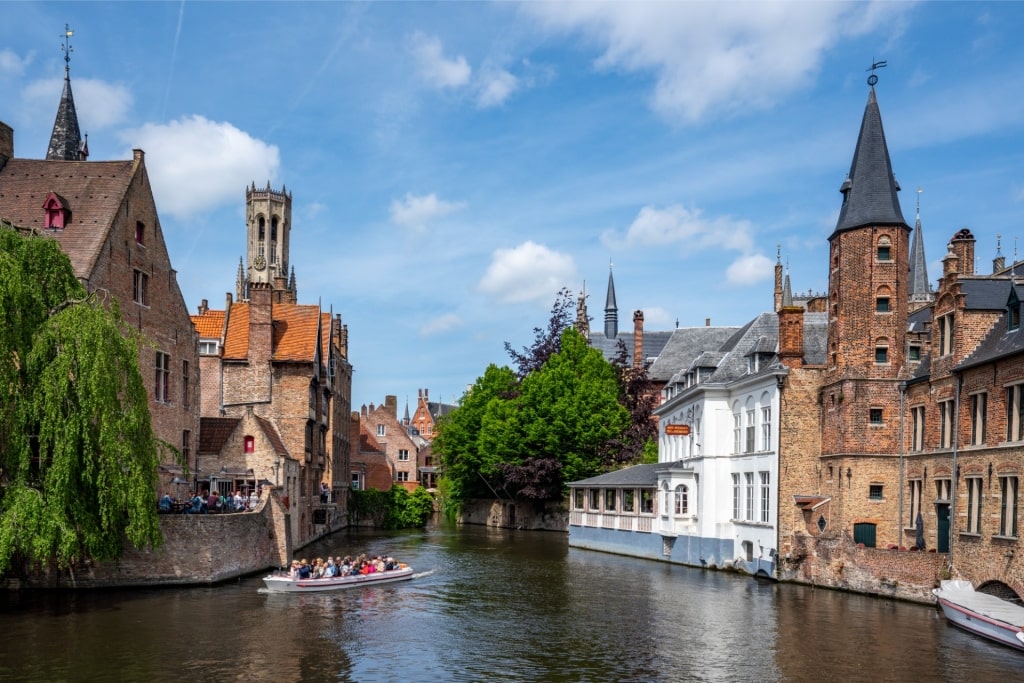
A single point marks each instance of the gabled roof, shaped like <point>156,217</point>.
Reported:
<point>296,332</point>
<point>93,190</point>
<point>869,191</point>
<point>1000,342</point>
<point>273,436</point>
<point>209,325</point>
<point>214,432</point>
<point>684,346</point>
<point>654,343</point>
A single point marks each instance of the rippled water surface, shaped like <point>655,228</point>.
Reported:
<point>492,605</point>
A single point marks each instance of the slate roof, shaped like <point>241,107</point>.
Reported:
<point>654,343</point>
<point>869,192</point>
<point>214,432</point>
<point>683,346</point>
<point>93,191</point>
<point>917,321</point>
<point>637,475</point>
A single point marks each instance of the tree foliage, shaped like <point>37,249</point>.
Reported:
<point>396,508</point>
<point>546,341</point>
<point>78,457</point>
<point>638,396</point>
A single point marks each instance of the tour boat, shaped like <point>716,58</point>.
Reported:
<point>282,583</point>
<point>981,613</point>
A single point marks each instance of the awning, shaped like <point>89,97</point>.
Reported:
<point>810,502</point>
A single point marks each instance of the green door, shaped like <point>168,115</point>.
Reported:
<point>943,527</point>
<point>864,533</point>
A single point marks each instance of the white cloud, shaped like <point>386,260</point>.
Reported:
<point>12,64</point>
<point>710,57</point>
<point>657,318</point>
<point>415,212</point>
<point>442,323</point>
<point>196,164</point>
<point>99,104</point>
<point>749,270</point>
<point>529,272</point>
<point>434,68</point>
<point>687,227</point>
<point>495,86</point>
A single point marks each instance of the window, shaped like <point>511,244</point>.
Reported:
<point>737,433</point>
<point>249,444</point>
<point>979,422</point>
<point>1008,506</point>
<point>751,431</point>
<point>401,476</point>
<point>748,478</point>
<point>682,500</point>
<point>915,500</point>
<point>974,505</point>
<point>609,500</point>
<point>914,352</point>
<point>403,455</point>
<point>163,377</point>
<point>577,499</point>
<point>140,288</point>
<point>185,402</point>
<point>875,491</point>
<point>884,250</point>
<point>140,233</point>
<point>1015,412</point>
<point>942,489</point>
<point>766,429</point>
<point>380,430</point>
<point>882,304</point>
<point>1013,311</point>
<point>627,500</point>
<point>945,424</point>
<point>945,334</point>
<point>917,436</point>
<point>208,348</point>
<point>864,533</point>
<point>647,501</point>
<point>665,502</point>
<point>766,493</point>
<point>595,499</point>
<point>355,481</point>
<point>875,415</point>
<point>881,355</point>
<point>735,496</point>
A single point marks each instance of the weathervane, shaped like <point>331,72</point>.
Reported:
<point>67,48</point>
<point>872,79</point>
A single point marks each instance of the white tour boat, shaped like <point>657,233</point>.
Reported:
<point>981,613</point>
<point>282,583</point>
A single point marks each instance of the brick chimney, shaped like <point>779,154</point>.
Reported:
<point>791,336</point>
<point>261,323</point>
<point>963,245</point>
<point>391,403</point>
<point>638,339</point>
<point>204,306</point>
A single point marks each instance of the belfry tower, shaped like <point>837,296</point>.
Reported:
<point>268,218</point>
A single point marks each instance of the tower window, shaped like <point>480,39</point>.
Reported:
<point>884,253</point>
<point>875,416</point>
<point>881,355</point>
<point>882,304</point>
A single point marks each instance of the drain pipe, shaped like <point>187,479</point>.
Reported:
<point>899,522</point>
<point>956,471</point>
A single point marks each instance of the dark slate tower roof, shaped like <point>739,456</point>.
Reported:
<point>869,191</point>
<point>918,269</point>
<point>611,310</point>
<point>66,139</point>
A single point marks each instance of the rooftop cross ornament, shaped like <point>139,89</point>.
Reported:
<point>872,79</point>
<point>66,48</point>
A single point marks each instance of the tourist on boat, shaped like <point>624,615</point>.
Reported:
<point>330,571</point>
<point>304,571</point>
<point>293,571</point>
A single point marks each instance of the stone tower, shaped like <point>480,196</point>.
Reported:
<point>268,218</point>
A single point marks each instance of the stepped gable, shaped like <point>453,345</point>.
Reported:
<point>92,190</point>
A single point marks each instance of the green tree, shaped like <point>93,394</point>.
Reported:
<point>78,457</point>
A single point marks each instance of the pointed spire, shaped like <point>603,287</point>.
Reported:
<point>582,319</point>
<point>291,285</point>
<point>999,262</point>
<point>611,310</point>
<point>66,138</point>
<point>787,293</point>
<point>918,268</point>
<point>869,191</point>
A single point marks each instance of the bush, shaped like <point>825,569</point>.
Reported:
<point>394,509</point>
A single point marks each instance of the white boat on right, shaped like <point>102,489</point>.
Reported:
<point>981,613</point>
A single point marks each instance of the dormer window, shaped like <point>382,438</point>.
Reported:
<point>1013,311</point>
<point>58,214</point>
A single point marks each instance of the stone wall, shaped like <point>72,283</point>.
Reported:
<point>838,563</point>
<point>509,514</point>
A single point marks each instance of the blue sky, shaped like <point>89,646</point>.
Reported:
<point>453,165</point>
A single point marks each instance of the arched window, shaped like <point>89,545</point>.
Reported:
<point>682,500</point>
<point>884,252</point>
<point>664,496</point>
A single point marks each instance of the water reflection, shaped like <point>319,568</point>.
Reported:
<point>492,605</point>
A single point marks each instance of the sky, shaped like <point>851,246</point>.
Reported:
<point>454,165</point>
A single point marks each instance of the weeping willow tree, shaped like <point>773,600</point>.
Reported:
<point>78,458</point>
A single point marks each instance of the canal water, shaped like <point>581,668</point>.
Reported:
<point>492,605</point>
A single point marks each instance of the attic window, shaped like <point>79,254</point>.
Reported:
<point>58,215</point>
<point>1013,311</point>
<point>140,232</point>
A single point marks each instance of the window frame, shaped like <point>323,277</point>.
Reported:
<point>140,287</point>
<point>1008,484</point>
<point>975,492</point>
<point>162,377</point>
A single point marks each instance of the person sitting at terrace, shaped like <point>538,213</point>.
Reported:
<point>198,506</point>
<point>166,503</point>
<point>213,502</point>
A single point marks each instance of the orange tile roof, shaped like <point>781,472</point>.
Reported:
<point>94,190</point>
<point>296,328</point>
<point>210,325</point>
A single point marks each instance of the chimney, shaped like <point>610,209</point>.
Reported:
<point>391,403</point>
<point>791,336</point>
<point>963,244</point>
<point>6,144</point>
<point>638,339</point>
<point>204,306</point>
<point>707,322</point>
<point>261,323</point>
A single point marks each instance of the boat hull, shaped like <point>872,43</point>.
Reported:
<point>286,584</point>
<point>973,620</point>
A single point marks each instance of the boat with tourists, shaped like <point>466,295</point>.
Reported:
<point>980,613</point>
<point>331,575</point>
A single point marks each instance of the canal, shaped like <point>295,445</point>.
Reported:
<point>492,605</point>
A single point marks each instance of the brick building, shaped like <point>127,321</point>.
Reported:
<point>280,370</point>
<point>393,437</point>
<point>104,216</point>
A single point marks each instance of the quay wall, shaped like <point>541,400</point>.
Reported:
<point>841,564</point>
<point>507,514</point>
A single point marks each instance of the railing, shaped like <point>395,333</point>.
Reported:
<point>612,520</point>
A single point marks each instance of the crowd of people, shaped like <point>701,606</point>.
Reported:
<point>209,502</point>
<point>337,566</point>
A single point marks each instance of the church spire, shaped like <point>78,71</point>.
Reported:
<point>869,191</point>
<point>919,292</point>
<point>66,139</point>
<point>611,310</point>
